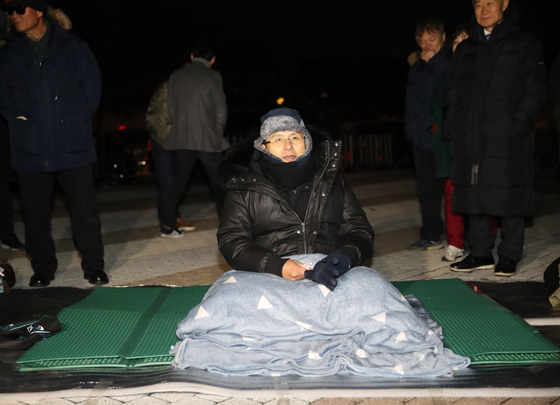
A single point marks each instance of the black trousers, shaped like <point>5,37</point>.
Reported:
<point>481,238</point>
<point>6,212</point>
<point>184,163</point>
<point>36,190</point>
<point>430,194</point>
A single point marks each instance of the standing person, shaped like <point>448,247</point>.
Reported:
<point>454,223</point>
<point>495,89</point>
<point>50,85</point>
<point>427,68</point>
<point>198,111</point>
<point>159,124</point>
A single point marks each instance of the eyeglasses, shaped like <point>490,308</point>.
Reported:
<point>19,9</point>
<point>280,141</point>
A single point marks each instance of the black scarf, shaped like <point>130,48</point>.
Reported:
<point>290,174</point>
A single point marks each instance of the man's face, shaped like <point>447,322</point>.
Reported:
<point>27,22</point>
<point>287,145</point>
<point>489,13</point>
<point>431,41</point>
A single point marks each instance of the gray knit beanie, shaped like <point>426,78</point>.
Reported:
<point>282,119</point>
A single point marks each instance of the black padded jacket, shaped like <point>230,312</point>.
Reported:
<point>258,226</point>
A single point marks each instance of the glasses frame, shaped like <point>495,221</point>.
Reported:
<point>286,139</point>
<point>19,9</point>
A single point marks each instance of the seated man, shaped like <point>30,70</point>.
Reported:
<point>287,198</point>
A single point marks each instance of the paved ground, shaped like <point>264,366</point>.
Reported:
<point>135,255</point>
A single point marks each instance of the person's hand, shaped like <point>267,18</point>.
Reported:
<point>327,270</point>
<point>293,270</point>
<point>427,54</point>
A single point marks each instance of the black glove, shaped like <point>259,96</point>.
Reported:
<point>326,270</point>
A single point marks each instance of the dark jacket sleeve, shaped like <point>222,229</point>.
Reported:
<point>6,100</point>
<point>220,106</point>
<point>91,78</point>
<point>450,94</point>
<point>356,233</point>
<point>533,89</point>
<point>235,239</point>
<point>554,95</point>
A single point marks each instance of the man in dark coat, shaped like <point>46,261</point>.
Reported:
<point>50,86</point>
<point>495,89</point>
<point>428,66</point>
<point>285,197</point>
<point>198,111</point>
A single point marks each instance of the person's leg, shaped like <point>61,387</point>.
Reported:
<point>513,237</point>
<point>36,190</point>
<point>210,162</point>
<point>6,211</point>
<point>480,236</point>
<point>184,162</point>
<point>481,240</point>
<point>79,187</point>
<point>429,195</point>
<point>163,160</point>
<point>454,223</point>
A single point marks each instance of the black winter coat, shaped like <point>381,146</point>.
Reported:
<point>495,90</point>
<point>258,226</point>
<point>423,78</point>
<point>49,103</point>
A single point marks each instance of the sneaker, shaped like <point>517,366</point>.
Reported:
<point>12,244</point>
<point>424,244</point>
<point>451,253</point>
<point>471,263</point>
<point>184,226</point>
<point>505,267</point>
<point>166,232</point>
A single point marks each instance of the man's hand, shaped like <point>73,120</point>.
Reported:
<point>427,54</point>
<point>327,270</point>
<point>293,270</point>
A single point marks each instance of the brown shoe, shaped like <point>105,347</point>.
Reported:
<point>184,226</point>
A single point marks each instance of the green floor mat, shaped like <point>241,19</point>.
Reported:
<point>133,327</point>
<point>116,327</point>
<point>479,328</point>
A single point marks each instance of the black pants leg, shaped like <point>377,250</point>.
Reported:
<point>79,186</point>
<point>182,168</point>
<point>6,211</point>
<point>210,162</point>
<point>36,189</point>
<point>513,237</point>
<point>430,194</point>
<point>480,236</point>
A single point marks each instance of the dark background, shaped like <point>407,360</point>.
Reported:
<point>356,50</point>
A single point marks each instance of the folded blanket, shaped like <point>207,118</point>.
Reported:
<point>253,323</point>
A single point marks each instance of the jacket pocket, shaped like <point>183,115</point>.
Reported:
<point>24,135</point>
<point>76,134</point>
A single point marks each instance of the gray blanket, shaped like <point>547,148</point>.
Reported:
<point>253,323</point>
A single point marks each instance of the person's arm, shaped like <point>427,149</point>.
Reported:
<point>533,89</point>
<point>235,240</point>
<point>91,78</point>
<point>220,106</point>
<point>6,95</point>
<point>450,93</point>
<point>356,233</point>
<point>554,95</point>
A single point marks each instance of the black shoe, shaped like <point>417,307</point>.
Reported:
<point>96,277</point>
<point>41,279</point>
<point>471,263</point>
<point>505,267</point>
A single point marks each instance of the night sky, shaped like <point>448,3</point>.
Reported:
<point>358,44</point>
